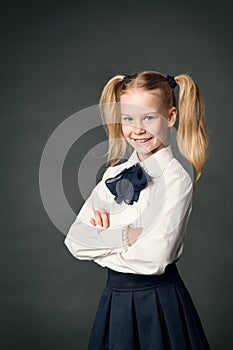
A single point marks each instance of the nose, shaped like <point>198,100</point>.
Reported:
<point>138,127</point>
<point>139,130</point>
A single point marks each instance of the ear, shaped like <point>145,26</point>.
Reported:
<point>172,114</point>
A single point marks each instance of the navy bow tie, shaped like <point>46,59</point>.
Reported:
<point>126,185</point>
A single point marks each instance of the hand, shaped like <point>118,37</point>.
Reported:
<point>133,234</point>
<point>102,218</point>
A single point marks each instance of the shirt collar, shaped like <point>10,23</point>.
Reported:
<point>156,162</point>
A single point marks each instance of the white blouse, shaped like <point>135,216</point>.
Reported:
<point>162,210</point>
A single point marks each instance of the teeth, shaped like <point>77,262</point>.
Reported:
<point>142,140</point>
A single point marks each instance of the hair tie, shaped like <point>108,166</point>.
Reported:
<point>126,78</point>
<point>171,81</point>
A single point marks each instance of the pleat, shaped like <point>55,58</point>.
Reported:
<point>148,319</point>
<point>194,329</point>
<point>123,333</point>
<point>173,324</point>
<point>99,337</point>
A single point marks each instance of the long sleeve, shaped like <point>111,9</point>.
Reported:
<point>161,240</point>
<point>86,241</point>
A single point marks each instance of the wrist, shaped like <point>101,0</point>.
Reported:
<point>125,236</point>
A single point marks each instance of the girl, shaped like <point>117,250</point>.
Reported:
<point>135,219</point>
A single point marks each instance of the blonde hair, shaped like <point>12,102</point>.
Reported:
<point>192,133</point>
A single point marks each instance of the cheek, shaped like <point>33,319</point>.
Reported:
<point>126,130</point>
<point>159,128</point>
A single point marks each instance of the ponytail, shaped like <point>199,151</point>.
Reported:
<point>110,117</point>
<point>192,130</point>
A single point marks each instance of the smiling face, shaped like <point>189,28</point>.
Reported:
<point>145,120</point>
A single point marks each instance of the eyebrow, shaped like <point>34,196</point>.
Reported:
<point>144,114</point>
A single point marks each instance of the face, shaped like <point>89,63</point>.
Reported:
<point>145,120</point>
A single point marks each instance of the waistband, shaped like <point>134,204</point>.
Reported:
<point>123,281</point>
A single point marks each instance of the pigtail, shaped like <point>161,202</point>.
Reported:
<point>109,110</point>
<point>192,133</point>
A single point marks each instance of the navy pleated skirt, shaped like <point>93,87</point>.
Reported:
<point>147,312</point>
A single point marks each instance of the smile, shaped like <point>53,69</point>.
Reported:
<point>142,141</point>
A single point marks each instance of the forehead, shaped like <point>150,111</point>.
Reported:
<point>137,100</point>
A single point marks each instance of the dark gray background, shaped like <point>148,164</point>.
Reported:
<point>55,59</point>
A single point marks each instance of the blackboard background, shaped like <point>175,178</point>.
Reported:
<point>55,59</point>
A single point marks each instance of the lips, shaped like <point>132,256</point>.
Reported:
<point>142,140</point>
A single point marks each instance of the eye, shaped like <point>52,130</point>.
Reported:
<point>149,117</point>
<point>152,116</point>
<point>126,118</point>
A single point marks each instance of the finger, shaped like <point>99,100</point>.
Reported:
<point>92,221</point>
<point>98,218</point>
<point>105,217</point>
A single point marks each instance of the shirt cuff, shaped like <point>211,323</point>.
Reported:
<point>125,237</point>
